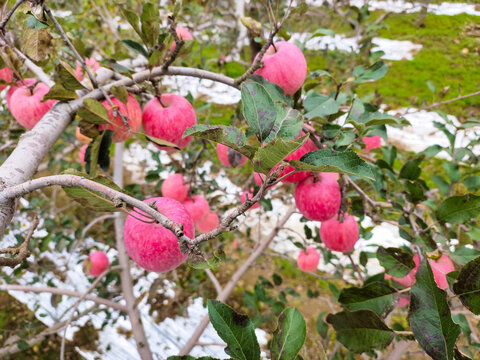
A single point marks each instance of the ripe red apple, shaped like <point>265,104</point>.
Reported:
<point>210,222</point>
<point>134,113</point>
<point>339,236</point>
<point>26,104</point>
<point>249,193</point>
<point>197,207</point>
<point>169,119</point>
<point>82,138</point>
<point>318,197</point>
<point>308,259</point>
<point>98,263</point>
<point>152,246</point>
<point>183,34</point>
<point>175,187</point>
<point>7,75</point>
<point>285,66</point>
<point>296,155</point>
<point>26,82</point>
<point>230,157</point>
<point>440,268</point>
<point>81,154</point>
<point>372,142</point>
<point>92,65</point>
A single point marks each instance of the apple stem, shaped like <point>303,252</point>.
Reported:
<point>274,47</point>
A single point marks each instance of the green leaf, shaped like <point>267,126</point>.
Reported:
<point>287,124</point>
<point>322,32</point>
<point>275,91</point>
<point>467,286</point>
<point>459,209</point>
<point>91,199</point>
<point>226,135</point>
<point>98,152</point>
<point>373,73</point>
<point>22,345</point>
<point>36,43</point>
<point>289,336</point>
<point>58,92</point>
<point>258,109</point>
<point>268,156</point>
<point>150,19</point>
<point>361,330</point>
<point>120,92</point>
<point>133,20</point>
<point>161,142</point>
<point>137,47</point>
<point>429,316</point>
<point>94,112</point>
<point>411,170</point>
<point>33,23</point>
<point>345,162</point>
<point>376,296</point>
<point>318,105</point>
<point>67,76</point>
<point>235,329</point>
<point>464,254</point>
<point>321,325</point>
<point>397,262</point>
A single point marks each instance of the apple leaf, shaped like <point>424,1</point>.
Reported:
<point>376,296</point>
<point>133,20</point>
<point>67,76</point>
<point>459,209</point>
<point>150,21</point>
<point>361,330</point>
<point>288,124</point>
<point>258,109</point>
<point>345,162</point>
<point>318,105</point>
<point>88,198</point>
<point>268,156</point>
<point>289,336</point>
<point>397,262</point>
<point>226,135</point>
<point>94,112</point>
<point>33,23</point>
<point>120,92</point>
<point>58,92</point>
<point>135,46</point>
<point>372,73</point>
<point>161,142</point>
<point>98,152</point>
<point>467,286</point>
<point>36,43</point>
<point>236,330</point>
<point>276,92</point>
<point>429,316</point>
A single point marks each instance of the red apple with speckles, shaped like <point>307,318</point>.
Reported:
<point>132,110</point>
<point>183,34</point>
<point>169,119</point>
<point>26,104</point>
<point>248,193</point>
<point>7,75</point>
<point>210,222</point>
<point>318,197</point>
<point>175,187</point>
<point>340,236</point>
<point>25,82</point>
<point>284,65</point>
<point>372,142</point>
<point>197,207</point>
<point>308,259</point>
<point>152,246</point>
<point>230,157</point>
<point>98,263</point>
<point>81,154</point>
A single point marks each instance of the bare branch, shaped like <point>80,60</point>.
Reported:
<point>365,196</point>
<point>178,44</point>
<point>7,17</point>
<point>21,252</point>
<point>214,281</point>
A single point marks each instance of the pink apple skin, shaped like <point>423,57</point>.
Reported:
<point>259,178</point>
<point>152,246</point>
<point>318,199</point>
<point>92,65</point>
<point>403,301</point>
<point>98,263</point>
<point>248,193</point>
<point>229,157</point>
<point>26,82</point>
<point>409,279</point>
<point>132,110</point>
<point>26,105</point>
<point>285,67</point>
<point>339,236</point>
<point>440,269</point>
<point>81,154</point>
<point>197,207</point>
<point>169,122</point>
<point>298,176</point>
<point>175,187</point>
<point>308,259</point>
<point>183,34</point>
<point>210,222</point>
<point>372,142</point>
<point>7,75</point>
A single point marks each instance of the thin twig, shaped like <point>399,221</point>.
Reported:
<point>21,252</point>
<point>7,17</point>
<point>355,267</point>
<point>364,195</point>
<point>214,281</point>
<point>178,44</point>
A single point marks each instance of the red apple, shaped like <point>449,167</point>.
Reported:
<point>230,157</point>
<point>372,142</point>
<point>7,75</point>
<point>92,65</point>
<point>285,66</point>
<point>318,197</point>
<point>248,193</point>
<point>296,155</point>
<point>308,259</point>
<point>26,82</point>
<point>183,34</point>
<point>134,113</point>
<point>81,154</point>
<point>440,268</point>
<point>152,246</point>
<point>169,119</point>
<point>26,104</point>
<point>175,187</point>
<point>409,279</point>
<point>197,207</point>
<point>98,262</point>
<point>340,236</point>
<point>210,222</point>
